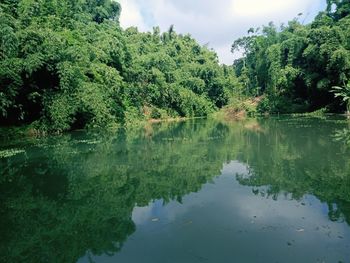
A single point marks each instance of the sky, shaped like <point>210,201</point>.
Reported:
<point>215,22</point>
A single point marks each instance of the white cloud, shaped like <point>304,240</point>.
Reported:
<point>131,15</point>
<point>260,8</point>
<point>217,22</point>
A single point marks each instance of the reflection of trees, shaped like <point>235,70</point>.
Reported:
<point>343,135</point>
<point>299,157</point>
<point>46,218</point>
<point>72,194</point>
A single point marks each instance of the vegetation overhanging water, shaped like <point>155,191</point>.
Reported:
<point>262,190</point>
<point>67,65</point>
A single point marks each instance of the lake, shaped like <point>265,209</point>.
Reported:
<point>265,190</point>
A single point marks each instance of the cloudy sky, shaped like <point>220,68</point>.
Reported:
<point>215,22</point>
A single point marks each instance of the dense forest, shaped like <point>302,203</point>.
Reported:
<point>297,66</point>
<point>68,64</point>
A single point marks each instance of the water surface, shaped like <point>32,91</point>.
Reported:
<point>269,190</point>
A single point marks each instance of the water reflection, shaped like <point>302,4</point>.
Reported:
<point>300,157</point>
<point>84,194</point>
<point>343,135</point>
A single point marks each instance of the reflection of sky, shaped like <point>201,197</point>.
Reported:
<point>155,210</point>
<point>142,215</point>
<point>227,221</point>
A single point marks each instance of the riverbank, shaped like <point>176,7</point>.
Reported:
<point>239,111</point>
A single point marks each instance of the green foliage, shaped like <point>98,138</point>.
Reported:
<point>173,73</point>
<point>277,104</point>
<point>343,135</point>
<point>344,94</point>
<point>297,65</point>
<point>68,65</point>
<point>264,105</point>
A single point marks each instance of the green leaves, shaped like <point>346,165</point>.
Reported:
<point>11,81</point>
<point>343,93</point>
<point>172,72</point>
<point>299,63</point>
<point>76,68</point>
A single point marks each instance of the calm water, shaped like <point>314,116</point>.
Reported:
<point>275,190</point>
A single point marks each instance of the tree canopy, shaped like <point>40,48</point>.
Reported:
<point>297,65</point>
<point>68,64</point>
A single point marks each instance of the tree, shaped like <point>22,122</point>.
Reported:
<point>344,94</point>
<point>297,65</point>
<point>68,65</point>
